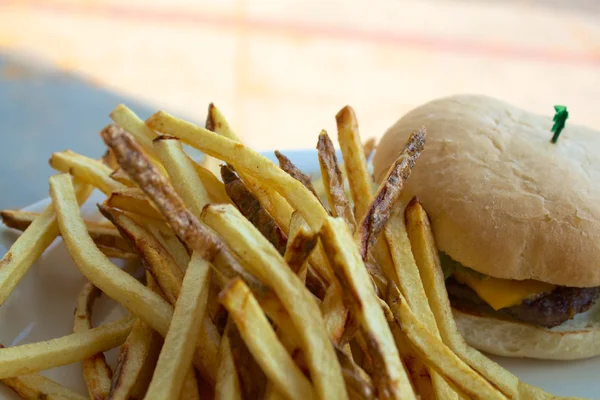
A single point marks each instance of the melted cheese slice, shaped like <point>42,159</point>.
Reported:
<point>501,293</point>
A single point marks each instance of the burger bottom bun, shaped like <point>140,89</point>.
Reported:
<point>575,339</point>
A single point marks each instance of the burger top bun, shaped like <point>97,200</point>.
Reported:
<point>504,200</point>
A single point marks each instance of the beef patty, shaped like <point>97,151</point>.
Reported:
<point>547,309</point>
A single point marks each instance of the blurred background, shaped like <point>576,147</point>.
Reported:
<point>280,70</point>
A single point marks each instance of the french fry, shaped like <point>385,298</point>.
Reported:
<point>169,277</point>
<point>135,356</point>
<point>244,160</point>
<point>228,383</point>
<point>361,184</point>
<point>252,209</point>
<point>411,286</point>
<point>96,372</point>
<point>213,185</point>
<point>102,234</point>
<point>433,351</point>
<point>156,259</point>
<point>427,259</point>
<point>189,229</point>
<point>355,161</point>
<point>36,386</point>
<point>31,244</point>
<point>182,174</point>
<point>358,382</point>
<point>175,358</point>
<point>300,244</point>
<point>251,163</point>
<point>133,200</point>
<point>263,343</point>
<point>253,381</point>
<point>335,314</point>
<point>133,124</point>
<point>165,235</point>
<point>121,176</point>
<point>114,252</point>
<point>90,171</point>
<point>375,218</point>
<point>334,181</point>
<point>113,281</point>
<point>369,148</point>
<point>34,357</point>
<point>109,160</point>
<point>390,375</point>
<point>288,166</point>
<point>272,201</point>
<point>270,268</point>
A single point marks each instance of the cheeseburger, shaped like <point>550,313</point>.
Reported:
<point>516,220</point>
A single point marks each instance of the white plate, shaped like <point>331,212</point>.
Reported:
<point>41,307</point>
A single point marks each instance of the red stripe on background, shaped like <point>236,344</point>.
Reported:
<point>295,28</point>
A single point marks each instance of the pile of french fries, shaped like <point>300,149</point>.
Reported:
<point>254,288</point>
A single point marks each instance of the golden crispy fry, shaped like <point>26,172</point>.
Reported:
<point>369,148</point>
<point>169,277</point>
<point>90,171</point>
<point>36,387</point>
<point>228,383</point>
<point>354,161</point>
<point>272,201</point>
<point>434,352</point>
<point>213,185</point>
<point>175,358</point>
<point>195,234</point>
<point>390,376</point>
<point>244,160</point>
<point>121,176</point>
<point>167,238</point>
<point>411,286</point>
<point>253,380</point>
<point>133,200</point>
<point>247,162</point>
<point>96,372</point>
<point>358,382</point>
<point>335,313</point>
<point>374,220</point>
<point>113,281</point>
<point>33,357</point>
<point>135,356</point>
<point>361,184</point>
<point>110,160</point>
<point>263,342</point>
<point>113,252</point>
<point>156,259</point>
<point>252,209</point>
<point>31,244</point>
<point>143,135</point>
<point>133,124</point>
<point>300,244</point>
<point>334,181</point>
<point>270,268</point>
<point>103,234</point>
<point>288,166</point>
<point>427,259</point>
<point>182,174</point>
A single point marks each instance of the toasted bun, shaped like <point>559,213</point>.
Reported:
<point>573,340</point>
<point>503,200</point>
